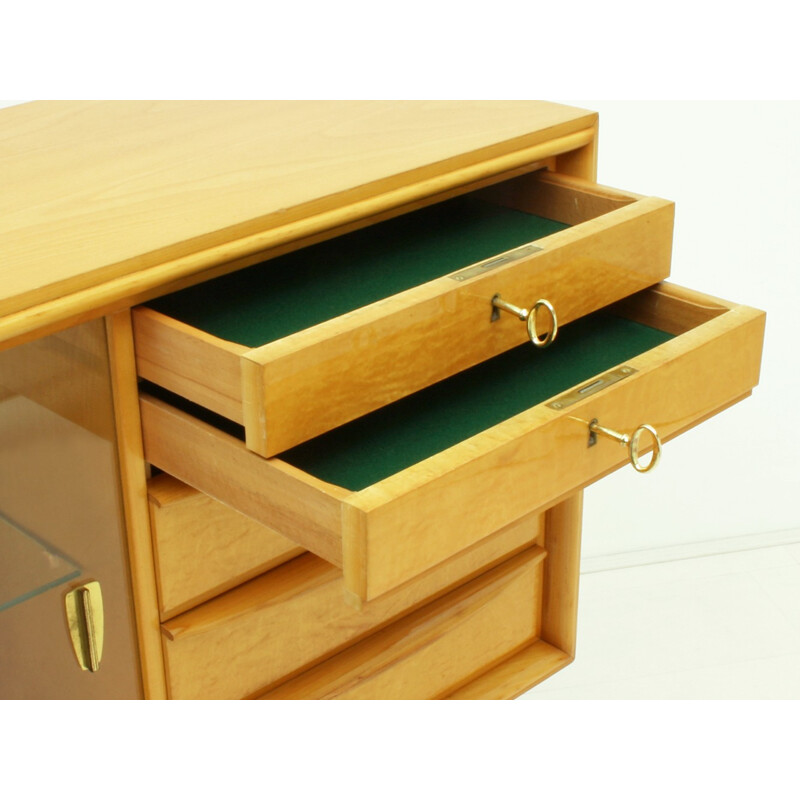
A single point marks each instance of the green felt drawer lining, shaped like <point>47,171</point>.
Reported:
<point>287,294</point>
<point>388,440</point>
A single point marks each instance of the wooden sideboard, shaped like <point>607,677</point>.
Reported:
<point>311,390</point>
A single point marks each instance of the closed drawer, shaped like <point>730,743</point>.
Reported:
<point>430,653</point>
<point>482,449</point>
<point>203,548</point>
<point>292,617</point>
<point>354,323</point>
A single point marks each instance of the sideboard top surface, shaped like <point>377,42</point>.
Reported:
<point>96,191</point>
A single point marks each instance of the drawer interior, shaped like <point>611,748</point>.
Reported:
<point>384,442</point>
<point>295,291</point>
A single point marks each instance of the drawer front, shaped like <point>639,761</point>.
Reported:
<point>430,653</point>
<point>203,548</point>
<point>395,529</point>
<point>292,617</point>
<point>349,365</point>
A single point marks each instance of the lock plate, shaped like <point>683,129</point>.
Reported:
<point>495,261</point>
<point>588,389</point>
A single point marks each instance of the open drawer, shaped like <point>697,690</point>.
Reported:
<point>300,344</point>
<point>391,495</point>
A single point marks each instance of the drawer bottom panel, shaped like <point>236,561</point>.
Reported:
<point>439,648</point>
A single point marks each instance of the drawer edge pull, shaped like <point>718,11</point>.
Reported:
<point>632,441</point>
<point>529,318</point>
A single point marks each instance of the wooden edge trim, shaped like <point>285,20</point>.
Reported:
<point>294,578</point>
<point>354,555</point>
<point>126,290</point>
<point>145,316</point>
<point>612,218</point>
<point>589,187</point>
<point>135,507</point>
<point>692,297</point>
<point>581,162</point>
<point>562,572</point>
<point>675,312</point>
<point>254,405</point>
<point>515,675</point>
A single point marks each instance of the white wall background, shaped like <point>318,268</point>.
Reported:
<point>733,170</point>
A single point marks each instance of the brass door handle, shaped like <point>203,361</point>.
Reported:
<point>632,441</point>
<point>529,317</point>
<point>84,608</point>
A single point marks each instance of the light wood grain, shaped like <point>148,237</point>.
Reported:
<point>189,362</point>
<point>582,161</point>
<point>560,197</point>
<point>428,653</point>
<point>351,365</point>
<point>305,510</point>
<point>293,617</point>
<point>134,494</point>
<point>515,674</point>
<point>562,573</point>
<point>94,192</point>
<point>203,548</point>
<point>136,287</point>
<point>672,308</point>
